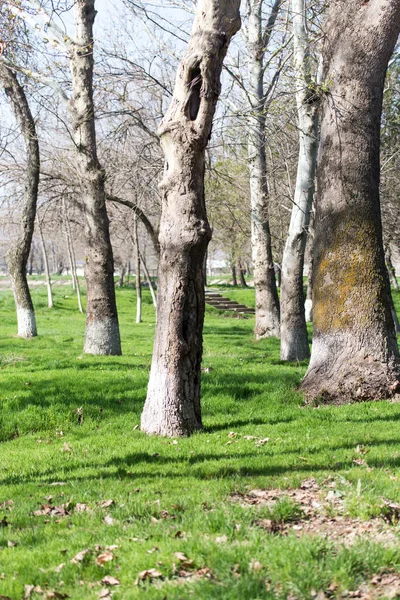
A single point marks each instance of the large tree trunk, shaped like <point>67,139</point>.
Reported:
<point>18,254</point>
<point>267,301</point>
<point>102,331</point>
<point>354,354</point>
<point>173,396</point>
<point>50,303</point>
<point>294,336</point>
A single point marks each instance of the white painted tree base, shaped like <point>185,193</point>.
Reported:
<point>26,323</point>
<point>102,337</point>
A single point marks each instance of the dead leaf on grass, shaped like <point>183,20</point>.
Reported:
<point>104,557</point>
<point>255,565</point>
<point>107,503</point>
<point>80,556</point>
<point>80,508</point>
<point>7,504</point>
<point>148,574</point>
<point>110,580</point>
<point>59,568</point>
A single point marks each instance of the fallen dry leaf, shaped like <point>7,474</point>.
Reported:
<point>107,503</point>
<point>7,504</point>
<point>29,591</point>
<point>79,508</point>
<point>59,568</point>
<point>80,556</point>
<point>11,544</point>
<point>255,565</point>
<point>148,574</point>
<point>110,580</point>
<point>105,557</point>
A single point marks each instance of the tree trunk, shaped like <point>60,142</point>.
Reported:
<point>122,276</point>
<point>18,254</point>
<point>137,270</point>
<point>234,278</point>
<point>50,303</point>
<point>354,354</point>
<point>267,301</point>
<point>173,396</point>
<point>390,268</point>
<point>243,281</point>
<point>294,335</point>
<point>102,330</point>
<point>148,279</point>
<point>71,254</point>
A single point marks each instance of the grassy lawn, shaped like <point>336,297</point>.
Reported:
<point>70,445</point>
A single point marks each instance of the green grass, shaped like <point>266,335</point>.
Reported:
<point>173,495</point>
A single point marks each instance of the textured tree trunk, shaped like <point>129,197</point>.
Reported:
<point>121,279</point>
<point>18,254</point>
<point>267,301</point>
<point>102,330</point>
<point>50,303</point>
<point>354,354</point>
<point>294,335</point>
<point>173,396</point>
<point>390,268</point>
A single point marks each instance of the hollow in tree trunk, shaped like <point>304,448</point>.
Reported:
<point>173,397</point>
<point>102,330</point>
<point>354,354</point>
<point>18,254</point>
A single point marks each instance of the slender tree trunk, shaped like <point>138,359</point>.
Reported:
<point>173,396</point>
<point>18,254</point>
<point>122,276</point>
<point>234,278</point>
<point>50,303</point>
<point>354,354</point>
<point>71,254</point>
<point>390,268</point>
<point>267,301</point>
<point>294,335</point>
<point>243,281</point>
<point>148,279</point>
<point>138,282</point>
<point>102,330</point>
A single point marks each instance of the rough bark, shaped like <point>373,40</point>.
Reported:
<point>102,330</point>
<point>50,303</point>
<point>18,254</point>
<point>173,398</point>
<point>267,301</point>
<point>294,335</point>
<point>355,354</point>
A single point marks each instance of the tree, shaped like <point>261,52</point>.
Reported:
<point>18,254</point>
<point>102,330</point>
<point>354,353</point>
<point>294,335</point>
<point>173,397</point>
<point>267,302</point>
